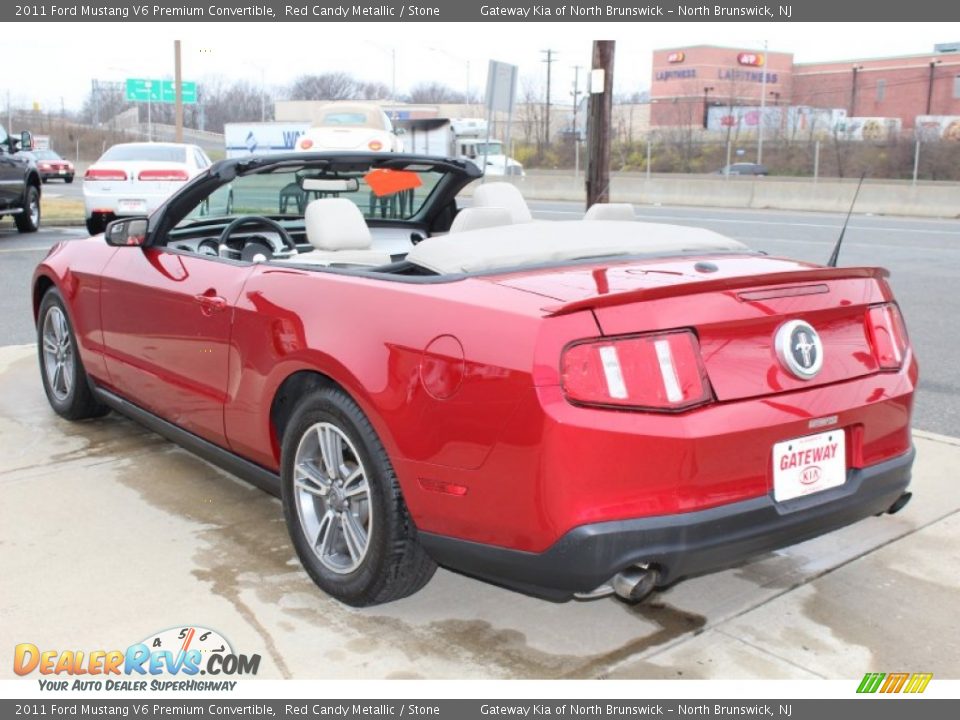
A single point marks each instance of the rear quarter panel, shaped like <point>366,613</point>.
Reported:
<point>444,407</point>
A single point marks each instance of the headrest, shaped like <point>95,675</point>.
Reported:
<point>503,195</point>
<point>336,224</point>
<point>477,218</point>
<point>610,211</point>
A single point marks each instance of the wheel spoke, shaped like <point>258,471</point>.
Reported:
<point>355,484</point>
<point>331,450</point>
<point>62,328</point>
<point>354,535</point>
<point>57,377</point>
<point>324,534</point>
<point>50,343</point>
<point>310,479</point>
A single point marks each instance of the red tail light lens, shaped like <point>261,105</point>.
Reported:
<point>306,144</point>
<point>888,335</point>
<point>375,145</point>
<point>104,174</point>
<point>165,175</point>
<point>661,372</point>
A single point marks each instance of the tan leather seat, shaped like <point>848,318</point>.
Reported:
<point>503,195</point>
<point>336,229</point>
<point>478,218</point>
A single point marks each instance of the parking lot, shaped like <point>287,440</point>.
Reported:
<point>115,533</point>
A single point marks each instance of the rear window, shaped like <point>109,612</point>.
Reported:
<point>345,118</point>
<point>45,155</point>
<point>150,153</point>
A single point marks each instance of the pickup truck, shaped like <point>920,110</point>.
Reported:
<point>19,182</point>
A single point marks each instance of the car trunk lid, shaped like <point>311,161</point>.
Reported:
<point>736,306</point>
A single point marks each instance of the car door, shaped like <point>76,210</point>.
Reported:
<point>166,317</point>
<point>11,174</point>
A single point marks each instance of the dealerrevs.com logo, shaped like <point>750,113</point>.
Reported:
<point>168,660</point>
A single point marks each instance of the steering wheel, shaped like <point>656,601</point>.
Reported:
<point>225,251</point>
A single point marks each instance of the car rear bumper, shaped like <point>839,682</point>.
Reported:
<point>679,545</point>
<point>98,202</point>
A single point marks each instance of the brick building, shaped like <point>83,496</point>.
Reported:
<point>685,81</point>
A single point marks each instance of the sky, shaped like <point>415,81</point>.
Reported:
<point>64,57</point>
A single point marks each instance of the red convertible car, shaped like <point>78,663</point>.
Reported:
<point>565,408</point>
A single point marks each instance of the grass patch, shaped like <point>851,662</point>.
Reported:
<point>60,210</point>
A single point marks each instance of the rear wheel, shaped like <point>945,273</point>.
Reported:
<point>29,220</point>
<point>64,379</point>
<point>343,506</point>
<point>68,180</point>
<point>96,224</point>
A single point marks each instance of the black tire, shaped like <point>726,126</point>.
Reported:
<point>68,180</point>
<point>44,180</point>
<point>73,398</point>
<point>394,565</point>
<point>96,224</point>
<point>29,220</point>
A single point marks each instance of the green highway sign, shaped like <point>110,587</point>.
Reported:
<point>159,91</point>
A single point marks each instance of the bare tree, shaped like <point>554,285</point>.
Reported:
<point>327,86</point>
<point>373,91</point>
<point>434,92</point>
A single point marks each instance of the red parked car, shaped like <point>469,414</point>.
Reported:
<point>51,166</point>
<point>565,408</point>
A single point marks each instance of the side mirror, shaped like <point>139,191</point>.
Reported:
<point>26,140</point>
<point>127,232</point>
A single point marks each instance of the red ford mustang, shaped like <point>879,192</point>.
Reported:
<point>565,408</point>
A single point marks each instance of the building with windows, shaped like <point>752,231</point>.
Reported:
<point>688,82</point>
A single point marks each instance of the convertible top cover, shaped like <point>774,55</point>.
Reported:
<point>536,243</point>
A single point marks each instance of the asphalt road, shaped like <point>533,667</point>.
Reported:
<point>923,256</point>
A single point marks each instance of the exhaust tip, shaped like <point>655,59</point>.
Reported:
<point>635,583</point>
<point>900,503</point>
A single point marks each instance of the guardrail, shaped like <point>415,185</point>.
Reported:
<point>880,197</point>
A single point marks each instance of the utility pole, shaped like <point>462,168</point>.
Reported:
<point>763,104</point>
<point>550,60</point>
<point>178,90</point>
<point>576,136</point>
<point>601,112</point>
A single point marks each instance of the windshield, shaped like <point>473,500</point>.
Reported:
<point>145,152</point>
<point>45,155</point>
<point>491,148</point>
<point>380,194</point>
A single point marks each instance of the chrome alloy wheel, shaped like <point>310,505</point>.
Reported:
<point>34,209</point>
<point>333,498</point>
<point>58,354</point>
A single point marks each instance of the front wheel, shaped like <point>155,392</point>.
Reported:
<point>28,221</point>
<point>64,379</point>
<point>343,506</point>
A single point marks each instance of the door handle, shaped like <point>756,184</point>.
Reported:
<point>210,303</point>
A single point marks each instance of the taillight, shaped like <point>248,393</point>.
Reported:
<point>375,145</point>
<point>171,175</point>
<point>104,174</point>
<point>306,144</point>
<point>663,371</point>
<point>888,335</point>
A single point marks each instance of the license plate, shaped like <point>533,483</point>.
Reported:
<point>62,171</point>
<point>809,464</point>
<point>137,206</point>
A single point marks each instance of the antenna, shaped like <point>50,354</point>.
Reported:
<point>832,262</point>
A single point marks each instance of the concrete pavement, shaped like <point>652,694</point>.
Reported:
<point>110,533</point>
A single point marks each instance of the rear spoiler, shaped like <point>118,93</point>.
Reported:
<point>793,278</point>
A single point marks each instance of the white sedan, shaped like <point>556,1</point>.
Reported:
<point>133,179</point>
